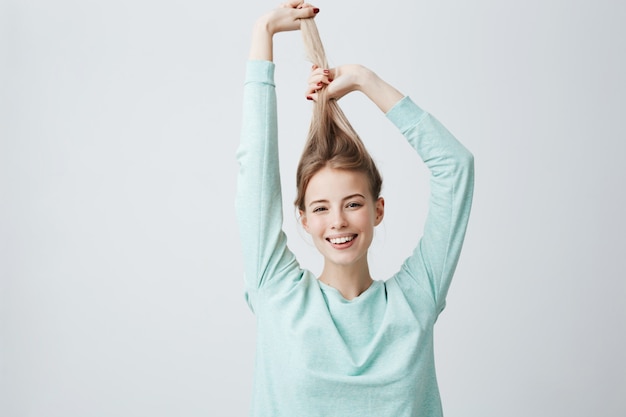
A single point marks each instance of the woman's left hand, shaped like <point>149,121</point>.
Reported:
<point>337,81</point>
<point>345,79</point>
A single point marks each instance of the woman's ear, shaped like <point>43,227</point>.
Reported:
<point>303,220</point>
<point>380,211</point>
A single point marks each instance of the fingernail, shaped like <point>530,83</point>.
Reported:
<point>330,80</point>
<point>326,72</point>
<point>309,98</point>
<point>319,84</point>
<point>316,10</point>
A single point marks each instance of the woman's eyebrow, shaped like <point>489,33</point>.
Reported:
<point>317,202</point>
<point>353,196</point>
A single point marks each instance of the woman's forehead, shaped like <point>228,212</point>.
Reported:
<point>333,184</point>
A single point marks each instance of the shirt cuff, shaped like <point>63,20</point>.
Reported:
<point>258,71</point>
<point>405,114</point>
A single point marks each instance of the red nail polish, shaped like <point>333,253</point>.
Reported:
<point>326,72</point>
<point>319,84</point>
<point>330,80</point>
<point>309,98</point>
<point>316,10</point>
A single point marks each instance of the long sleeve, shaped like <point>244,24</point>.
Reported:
<point>451,165</point>
<point>259,200</point>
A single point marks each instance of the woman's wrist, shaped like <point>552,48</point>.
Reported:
<point>384,95</point>
<point>365,79</point>
<point>262,40</point>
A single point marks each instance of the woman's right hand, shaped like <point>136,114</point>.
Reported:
<point>284,18</point>
<point>287,16</point>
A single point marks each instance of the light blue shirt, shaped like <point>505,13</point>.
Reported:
<point>318,354</point>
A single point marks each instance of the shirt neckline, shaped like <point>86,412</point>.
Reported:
<point>335,293</point>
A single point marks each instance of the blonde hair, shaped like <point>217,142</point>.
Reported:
<point>332,141</point>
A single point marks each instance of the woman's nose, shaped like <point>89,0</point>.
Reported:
<point>339,220</point>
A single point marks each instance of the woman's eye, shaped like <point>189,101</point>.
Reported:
<point>354,205</point>
<point>319,209</point>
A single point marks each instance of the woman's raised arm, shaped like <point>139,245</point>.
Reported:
<point>451,165</point>
<point>259,199</point>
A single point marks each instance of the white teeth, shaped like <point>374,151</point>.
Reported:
<point>339,240</point>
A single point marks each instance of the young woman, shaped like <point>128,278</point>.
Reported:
<point>342,344</point>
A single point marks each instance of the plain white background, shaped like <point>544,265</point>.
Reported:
<point>121,289</point>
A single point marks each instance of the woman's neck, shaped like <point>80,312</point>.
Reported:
<point>351,281</point>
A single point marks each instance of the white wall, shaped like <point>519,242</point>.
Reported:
<point>120,271</point>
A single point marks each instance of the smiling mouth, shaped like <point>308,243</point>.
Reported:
<point>341,240</point>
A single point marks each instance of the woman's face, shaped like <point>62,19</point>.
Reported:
<point>340,215</point>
